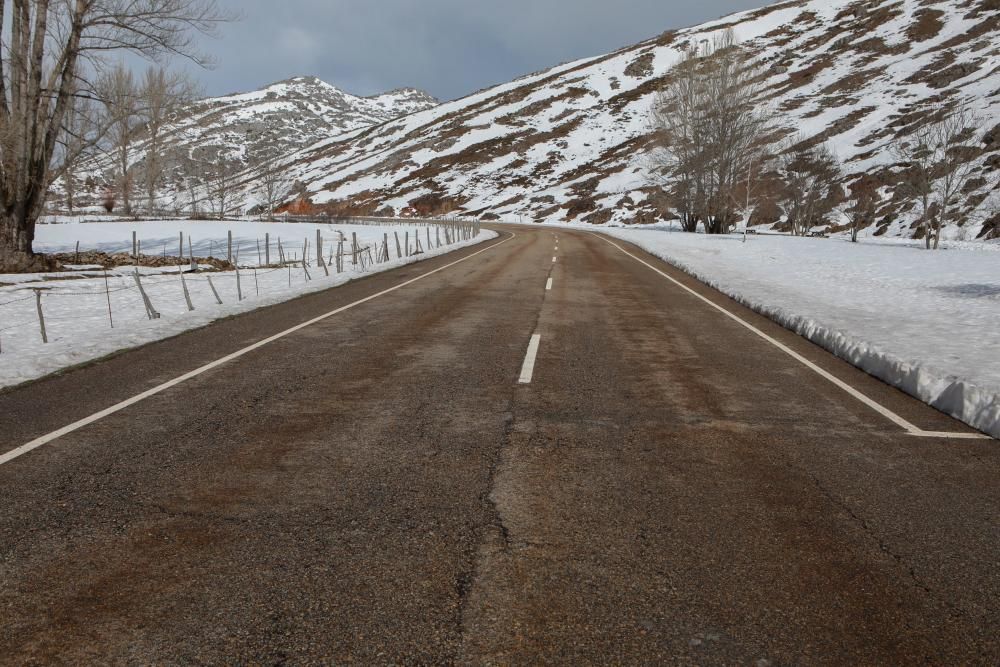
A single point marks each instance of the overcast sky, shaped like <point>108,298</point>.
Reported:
<point>449,48</point>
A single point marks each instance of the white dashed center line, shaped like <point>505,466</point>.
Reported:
<point>528,369</point>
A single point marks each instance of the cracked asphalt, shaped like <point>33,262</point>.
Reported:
<point>377,488</point>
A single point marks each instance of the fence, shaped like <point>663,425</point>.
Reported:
<point>63,216</point>
<point>96,300</point>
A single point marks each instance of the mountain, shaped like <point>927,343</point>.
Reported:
<point>289,114</point>
<point>276,120</point>
<point>568,143</point>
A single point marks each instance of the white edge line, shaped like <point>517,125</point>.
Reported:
<point>97,416</point>
<point>548,285</point>
<point>877,407</point>
<point>553,259</point>
<point>528,369</point>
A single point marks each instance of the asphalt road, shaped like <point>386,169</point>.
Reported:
<point>378,487</point>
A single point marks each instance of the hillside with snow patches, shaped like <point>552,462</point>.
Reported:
<point>290,114</point>
<point>568,143</point>
<point>276,120</point>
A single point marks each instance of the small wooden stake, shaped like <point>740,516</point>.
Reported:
<point>215,292</point>
<point>150,311</point>
<point>187,295</point>
<point>107,292</point>
<point>41,317</point>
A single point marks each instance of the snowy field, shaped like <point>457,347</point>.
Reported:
<point>927,322</point>
<point>75,305</point>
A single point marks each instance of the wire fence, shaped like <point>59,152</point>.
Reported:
<point>96,300</point>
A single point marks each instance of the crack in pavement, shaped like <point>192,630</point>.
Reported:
<point>883,546</point>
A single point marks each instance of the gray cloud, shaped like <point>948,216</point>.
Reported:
<point>448,47</point>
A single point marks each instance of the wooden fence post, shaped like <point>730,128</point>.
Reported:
<point>41,318</point>
<point>267,249</point>
<point>229,246</point>
<point>215,292</point>
<point>180,253</point>
<point>319,247</point>
<point>187,295</point>
<point>322,263</point>
<point>354,248</point>
<point>150,311</point>
<point>399,250</point>
<point>107,292</point>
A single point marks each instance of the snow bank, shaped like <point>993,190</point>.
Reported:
<point>927,322</point>
<point>76,305</point>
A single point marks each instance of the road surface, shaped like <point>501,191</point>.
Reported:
<point>405,481</point>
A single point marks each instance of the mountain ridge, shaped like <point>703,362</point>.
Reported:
<point>567,143</point>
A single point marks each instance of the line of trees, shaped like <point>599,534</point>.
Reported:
<point>59,90</point>
<point>720,153</point>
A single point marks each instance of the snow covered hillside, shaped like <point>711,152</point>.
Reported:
<point>259,125</point>
<point>568,143</point>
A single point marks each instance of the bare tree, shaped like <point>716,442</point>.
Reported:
<point>274,182</point>
<point>49,47</point>
<point>810,177</point>
<point>939,162</point>
<point>863,203</point>
<point>161,95</point>
<point>713,134</point>
<point>221,182</point>
<point>677,157</point>
<point>120,97</point>
<point>82,125</point>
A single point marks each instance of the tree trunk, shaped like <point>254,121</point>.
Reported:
<point>16,256</point>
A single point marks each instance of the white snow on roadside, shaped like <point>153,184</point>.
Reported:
<point>76,309</point>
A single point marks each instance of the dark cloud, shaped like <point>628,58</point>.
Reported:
<point>448,47</point>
